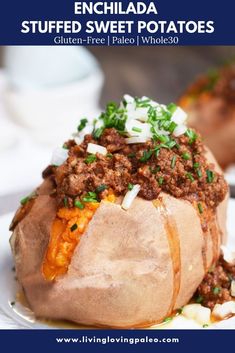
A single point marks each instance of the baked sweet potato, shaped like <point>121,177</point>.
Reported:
<point>131,268</point>
<point>209,102</point>
<point>92,257</point>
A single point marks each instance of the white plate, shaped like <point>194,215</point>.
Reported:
<point>19,316</point>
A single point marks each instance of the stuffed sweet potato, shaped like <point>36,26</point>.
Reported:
<point>210,103</point>
<point>128,220</point>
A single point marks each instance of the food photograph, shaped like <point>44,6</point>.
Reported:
<point>117,187</point>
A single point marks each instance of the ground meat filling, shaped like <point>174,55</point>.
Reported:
<point>215,288</point>
<point>181,171</point>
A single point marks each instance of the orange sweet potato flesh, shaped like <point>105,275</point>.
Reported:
<point>66,231</point>
<point>63,240</point>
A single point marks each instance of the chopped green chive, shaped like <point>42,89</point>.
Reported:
<point>196,165</point>
<point>168,319</point>
<point>200,208</point>
<point>82,124</point>
<point>90,159</point>
<point>74,227</point>
<point>131,155</point>
<point>168,145</point>
<point>157,151</point>
<point>190,176</point>
<point>173,161</point>
<point>90,197</point>
<point>98,132</point>
<point>172,107</point>
<point>109,155</point>
<point>136,129</point>
<point>180,310</point>
<point>24,200</point>
<point>199,299</point>
<point>205,325</point>
<point>210,176</point>
<point>65,146</point>
<point>146,155</point>
<point>186,156</point>
<point>65,202</point>
<point>78,204</point>
<point>216,290</point>
<point>192,136</point>
<point>27,198</point>
<point>163,138</point>
<point>199,173</point>
<point>114,116</point>
<point>160,180</point>
<point>101,188</point>
<point>130,186</point>
<point>155,170</point>
<point>171,144</point>
<point>172,127</point>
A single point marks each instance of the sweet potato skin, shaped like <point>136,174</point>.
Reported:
<point>121,274</point>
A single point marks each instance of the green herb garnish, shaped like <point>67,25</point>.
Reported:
<point>130,186</point>
<point>216,290</point>
<point>146,155</point>
<point>136,129</point>
<point>186,156</point>
<point>168,319</point>
<point>200,208</point>
<point>160,180</point>
<point>180,310</point>
<point>109,155</point>
<point>27,198</point>
<point>173,161</point>
<point>90,159</point>
<point>114,117</point>
<point>24,200</point>
<point>131,155</point>
<point>172,127</point>
<point>190,176</point>
<point>97,133</point>
<point>199,299</point>
<point>82,124</point>
<point>210,176</point>
<point>101,188</point>
<point>172,107</point>
<point>170,144</point>
<point>199,173</point>
<point>65,201</point>
<point>155,170</point>
<point>74,227</point>
<point>78,204</point>
<point>191,135</point>
<point>90,197</point>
